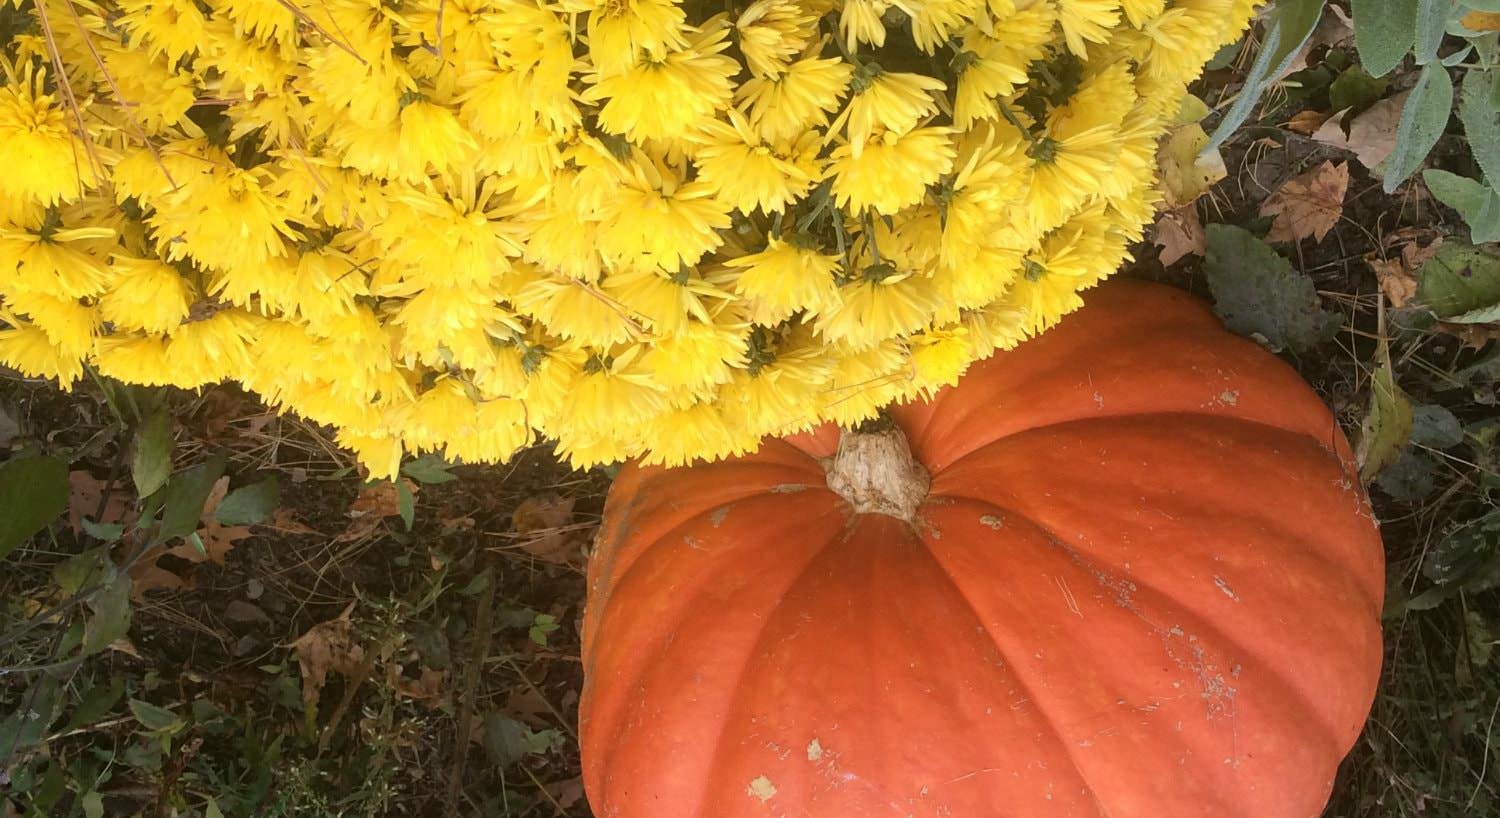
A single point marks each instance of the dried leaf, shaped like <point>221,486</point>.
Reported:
<point>1371,136</point>
<point>374,503</point>
<point>428,687</point>
<point>1179,234</point>
<point>327,647</point>
<point>1395,279</point>
<point>285,521</point>
<point>1307,123</point>
<point>542,522</point>
<point>1309,205</point>
<point>84,493</point>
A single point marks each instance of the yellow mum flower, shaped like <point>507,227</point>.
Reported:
<point>637,227</point>
<point>796,101</point>
<point>42,159</point>
<point>785,278</point>
<point>893,171</point>
<point>145,295</point>
<point>885,102</point>
<point>28,349</point>
<point>670,96</point>
<point>747,173</point>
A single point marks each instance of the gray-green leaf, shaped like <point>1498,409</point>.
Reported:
<point>33,492</point>
<point>1477,204</point>
<point>1384,31</point>
<point>1481,123</point>
<point>1288,28</point>
<point>1423,121</point>
<point>1432,23</point>
<point>429,469</point>
<point>1257,292</point>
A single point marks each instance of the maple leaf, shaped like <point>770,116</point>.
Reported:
<point>1309,205</point>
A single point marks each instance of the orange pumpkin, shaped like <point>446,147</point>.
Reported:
<point>1125,570</point>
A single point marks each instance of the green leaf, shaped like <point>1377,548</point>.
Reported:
<point>153,718</point>
<point>108,532</point>
<point>1476,110</point>
<point>1459,279</point>
<point>33,492</point>
<point>1432,23</point>
<point>1355,89</point>
<point>91,568</point>
<point>111,615</point>
<point>250,504</point>
<point>183,498</point>
<point>1436,427</point>
<point>211,809</point>
<point>1387,428</point>
<point>405,504</point>
<point>1384,31</point>
<point>1423,120</point>
<point>151,464</point>
<point>92,804</point>
<point>1478,205</point>
<point>95,703</point>
<point>35,712</point>
<point>1289,26</point>
<point>429,469</point>
<point>542,625</point>
<point>1258,293</point>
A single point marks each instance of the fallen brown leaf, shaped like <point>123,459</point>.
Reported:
<point>1308,205</point>
<point>428,687</point>
<point>285,521</point>
<point>84,492</point>
<point>1395,280</point>
<point>1472,336</point>
<point>1371,136</point>
<point>1307,123</point>
<point>146,575</point>
<point>374,503</point>
<point>1179,234</point>
<point>542,522</point>
<point>327,646</point>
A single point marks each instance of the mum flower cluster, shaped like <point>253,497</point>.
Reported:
<point>658,228</point>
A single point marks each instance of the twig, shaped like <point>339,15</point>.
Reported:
<point>302,15</point>
<point>478,652</point>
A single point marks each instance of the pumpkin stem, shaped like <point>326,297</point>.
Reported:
<point>875,472</point>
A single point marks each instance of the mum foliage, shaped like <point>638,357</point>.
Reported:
<point>640,227</point>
